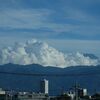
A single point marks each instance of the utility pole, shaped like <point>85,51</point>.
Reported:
<point>76,87</point>
<point>6,96</point>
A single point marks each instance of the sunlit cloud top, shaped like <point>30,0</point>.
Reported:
<point>37,52</point>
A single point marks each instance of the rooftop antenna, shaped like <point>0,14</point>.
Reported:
<point>76,87</point>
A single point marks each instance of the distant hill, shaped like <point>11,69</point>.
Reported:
<point>60,79</point>
<point>92,56</point>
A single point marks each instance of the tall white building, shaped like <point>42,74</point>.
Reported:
<point>45,86</point>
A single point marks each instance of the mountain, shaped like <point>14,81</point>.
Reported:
<point>92,56</point>
<point>60,79</point>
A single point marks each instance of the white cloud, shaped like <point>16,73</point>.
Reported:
<point>37,52</point>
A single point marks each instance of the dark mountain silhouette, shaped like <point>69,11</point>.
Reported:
<point>28,77</point>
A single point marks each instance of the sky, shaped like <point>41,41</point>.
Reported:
<point>67,25</point>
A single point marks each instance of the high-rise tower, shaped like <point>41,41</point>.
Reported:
<point>45,86</point>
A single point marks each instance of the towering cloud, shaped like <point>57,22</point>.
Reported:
<point>37,52</point>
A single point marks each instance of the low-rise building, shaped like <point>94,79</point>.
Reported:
<point>30,96</point>
<point>4,95</point>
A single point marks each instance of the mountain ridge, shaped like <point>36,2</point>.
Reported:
<point>87,76</point>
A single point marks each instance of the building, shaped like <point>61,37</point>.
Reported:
<point>12,95</point>
<point>71,94</point>
<point>30,96</point>
<point>45,86</point>
<point>4,95</point>
<point>82,92</point>
<point>2,92</point>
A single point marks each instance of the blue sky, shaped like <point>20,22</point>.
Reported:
<point>74,24</point>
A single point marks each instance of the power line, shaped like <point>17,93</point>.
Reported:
<point>50,75</point>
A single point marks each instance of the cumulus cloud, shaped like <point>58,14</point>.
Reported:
<point>37,52</point>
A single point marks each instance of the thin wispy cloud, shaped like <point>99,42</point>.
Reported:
<point>32,18</point>
<point>35,20</point>
<point>50,19</point>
